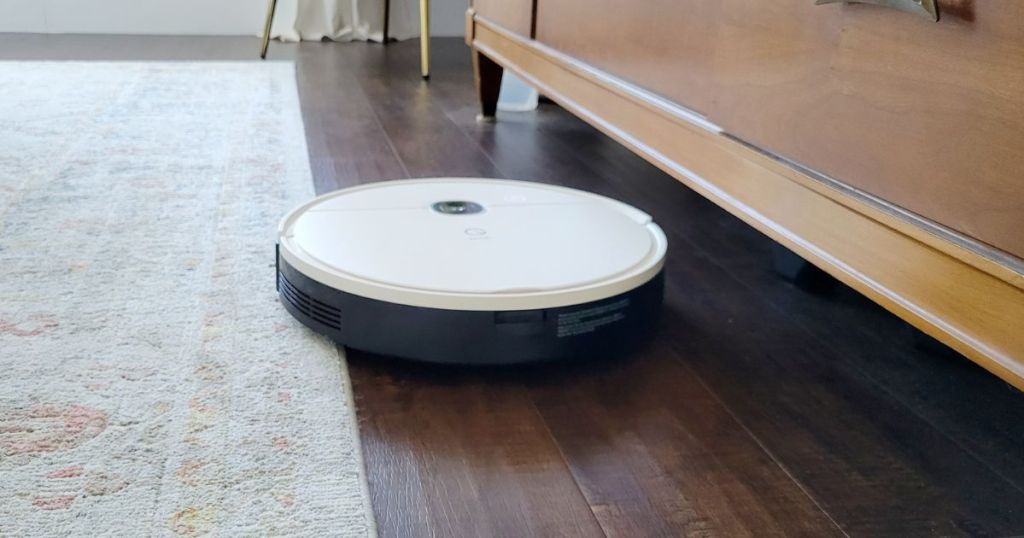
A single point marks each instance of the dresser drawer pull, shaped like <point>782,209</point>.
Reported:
<point>928,9</point>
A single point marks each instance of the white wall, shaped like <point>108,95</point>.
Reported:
<point>448,17</point>
<point>172,17</point>
<point>22,16</point>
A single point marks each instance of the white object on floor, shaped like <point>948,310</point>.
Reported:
<point>506,245</point>
<point>472,270</point>
<point>516,95</point>
<point>152,385</point>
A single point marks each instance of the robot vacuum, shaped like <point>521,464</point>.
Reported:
<point>471,271</point>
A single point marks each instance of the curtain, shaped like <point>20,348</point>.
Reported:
<point>344,20</point>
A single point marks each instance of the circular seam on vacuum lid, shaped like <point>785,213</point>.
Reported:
<point>528,246</point>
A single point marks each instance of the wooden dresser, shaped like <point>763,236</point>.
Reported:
<point>881,145</point>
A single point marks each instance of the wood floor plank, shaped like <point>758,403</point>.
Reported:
<point>456,452</point>
<point>656,453</point>
<point>426,141</point>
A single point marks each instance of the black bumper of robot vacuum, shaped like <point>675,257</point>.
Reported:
<point>467,336</point>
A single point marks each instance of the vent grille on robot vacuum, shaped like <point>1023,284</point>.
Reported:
<point>318,311</point>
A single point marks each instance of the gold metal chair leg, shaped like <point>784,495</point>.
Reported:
<point>425,38</point>
<point>271,7</point>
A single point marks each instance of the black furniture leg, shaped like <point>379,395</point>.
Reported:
<point>802,273</point>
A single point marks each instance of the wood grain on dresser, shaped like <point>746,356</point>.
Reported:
<point>925,116</point>
<point>922,115</point>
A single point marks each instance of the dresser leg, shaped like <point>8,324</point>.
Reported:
<point>802,273</point>
<point>487,74</point>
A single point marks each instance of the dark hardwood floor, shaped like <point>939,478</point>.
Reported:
<point>756,409</point>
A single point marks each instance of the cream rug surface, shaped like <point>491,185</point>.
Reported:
<point>150,383</point>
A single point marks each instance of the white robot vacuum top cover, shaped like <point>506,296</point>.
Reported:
<point>472,244</point>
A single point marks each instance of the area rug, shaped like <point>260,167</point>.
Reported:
<point>150,383</point>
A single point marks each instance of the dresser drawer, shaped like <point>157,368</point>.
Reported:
<point>665,46</point>
<point>514,15</point>
<point>926,116</point>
